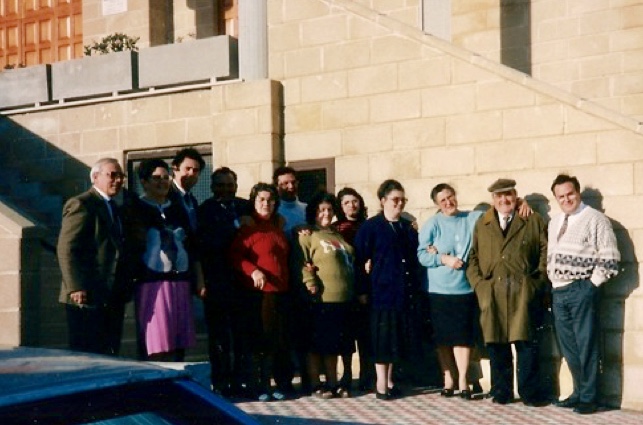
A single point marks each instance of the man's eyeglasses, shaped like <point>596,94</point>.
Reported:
<point>114,175</point>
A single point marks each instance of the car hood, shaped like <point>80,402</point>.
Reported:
<point>29,374</point>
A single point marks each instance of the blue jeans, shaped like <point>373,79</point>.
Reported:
<point>574,307</point>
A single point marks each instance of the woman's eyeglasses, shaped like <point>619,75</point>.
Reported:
<point>158,178</point>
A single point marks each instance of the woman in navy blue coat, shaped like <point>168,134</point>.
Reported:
<point>388,242</point>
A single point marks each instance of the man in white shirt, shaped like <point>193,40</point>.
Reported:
<point>582,255</point>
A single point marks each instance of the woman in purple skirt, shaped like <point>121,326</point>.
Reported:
<point>160,263</point>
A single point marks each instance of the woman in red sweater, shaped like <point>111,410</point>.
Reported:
<point>260,254</point>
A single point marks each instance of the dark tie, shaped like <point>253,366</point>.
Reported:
<point>563,228</point>
<point>116,222</point>
<point>190,204</point>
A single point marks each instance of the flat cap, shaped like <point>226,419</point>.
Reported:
<point>502,185</point>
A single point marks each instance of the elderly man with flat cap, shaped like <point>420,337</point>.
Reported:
<point>508,272</point>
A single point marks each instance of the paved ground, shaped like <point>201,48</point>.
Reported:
<point>418,406</point>
<point>424,407</point>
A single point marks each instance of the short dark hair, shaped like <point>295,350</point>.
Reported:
<point>439,188</point>
<point>264,187</point>
<point>222,171</point>
<point>339,212</point>
<point>565,178</point>
<point>318,199</point>
<point>187,153</point>
<point>280,171</point>
<point>147,167</point>
<point>387,187</point>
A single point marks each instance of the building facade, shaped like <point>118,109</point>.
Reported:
<point>519,89</point>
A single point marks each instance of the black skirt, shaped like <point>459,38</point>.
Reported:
<point>389,335</point>
<point>452,318</point>
<point>331,330</point>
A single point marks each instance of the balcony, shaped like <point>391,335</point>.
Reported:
<point>200,61</point>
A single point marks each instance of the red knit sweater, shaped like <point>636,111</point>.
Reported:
<point>262,245</point>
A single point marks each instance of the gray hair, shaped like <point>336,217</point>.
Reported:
<point>99,166</point>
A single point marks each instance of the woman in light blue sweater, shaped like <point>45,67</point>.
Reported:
<point>444,244</point>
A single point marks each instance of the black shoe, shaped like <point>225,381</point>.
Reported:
<point>341,392</point>
<point>466,394</point>
<point>447,392</point>
<point>382,396</point>
<point>477,388</point>
<point>394,392</point>
<point>501,400</point>
<point>585,408</point>
<point>535,402</point>
<point>567,403</point>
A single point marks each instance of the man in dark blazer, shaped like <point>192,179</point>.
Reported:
<point>89,248</point>
<point>187,165</point>
<point>219,218</point>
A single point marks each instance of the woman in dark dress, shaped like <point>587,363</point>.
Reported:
<point>389,242</point>
<point>351,214</point>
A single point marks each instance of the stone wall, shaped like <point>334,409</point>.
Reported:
<point>19,277</point>
<point>387,101</point>
<point>591,48</point>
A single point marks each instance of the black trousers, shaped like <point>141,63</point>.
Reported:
<point>95,329</point>
<point>502,370</point>
<point>574,308</point>
<point>223,342</point>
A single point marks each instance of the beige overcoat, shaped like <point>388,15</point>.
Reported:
<point>508,275</point>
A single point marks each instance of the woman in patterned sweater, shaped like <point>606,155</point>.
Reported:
<point>330,285</point>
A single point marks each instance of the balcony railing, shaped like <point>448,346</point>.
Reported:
<point>174,65</point>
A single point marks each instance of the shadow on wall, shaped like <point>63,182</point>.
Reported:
<point>37,178</point>
<point>27,156</point>
<point>515,34</point>
<point>612,308</point>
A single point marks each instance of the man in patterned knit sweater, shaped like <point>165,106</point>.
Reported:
<point>581,255</point>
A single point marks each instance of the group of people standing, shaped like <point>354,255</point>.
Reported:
<point>288,285</point>
<point>501,269</point>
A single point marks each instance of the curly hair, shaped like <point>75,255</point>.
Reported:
<point>349,191</point>
<point>318,199</point>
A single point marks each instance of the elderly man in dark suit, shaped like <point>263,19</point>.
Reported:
<point>508,272</point>
<point>89,246</point>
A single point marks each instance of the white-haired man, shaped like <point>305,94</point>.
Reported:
<point>89,248</point>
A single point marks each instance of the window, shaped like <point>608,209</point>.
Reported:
<point>202,189</point>
<point>34,33</point>
<point>313,176</point>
